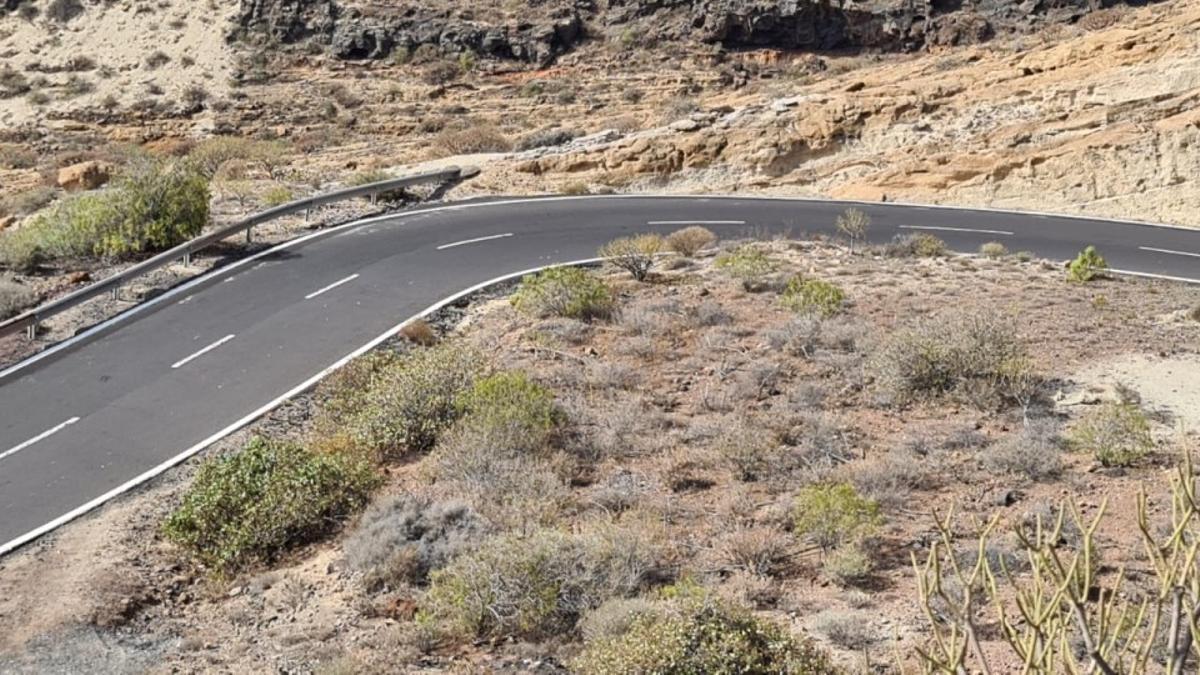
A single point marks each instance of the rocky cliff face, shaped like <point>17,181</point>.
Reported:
<point>548,28</point>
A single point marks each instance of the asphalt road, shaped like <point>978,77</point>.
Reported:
<point>80,422</point>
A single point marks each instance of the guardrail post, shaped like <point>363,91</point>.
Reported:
<point>187,259</point>
<point>31,331</point>
<point>250,234</point>
<point>113,293</point>
<point>373,196</point>
<point>306,214</point>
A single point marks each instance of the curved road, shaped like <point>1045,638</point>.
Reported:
<point>85,419</point>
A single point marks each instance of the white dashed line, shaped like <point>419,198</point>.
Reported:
<point>955,229</point>
<point>330,287</point>
<point>474,241</point>
<point>39,437</point>
<point>1167,250</point>
<point>204,351</point>
<point>696,222</point>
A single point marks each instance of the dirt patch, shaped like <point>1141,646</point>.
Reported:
<point>1167,383</point>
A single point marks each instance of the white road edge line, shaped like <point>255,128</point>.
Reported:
<point>696,222</point>
<point>330,287</point>
<point>1167,250</point>
<point>474,241</point>
<point>202,352</point>
<point>303,386</point>
<point>955,229</point>
<point>42,436</point>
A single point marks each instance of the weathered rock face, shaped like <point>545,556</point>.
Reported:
<point>352,33</point>
<point>85,175</point>
<point>367,32</point>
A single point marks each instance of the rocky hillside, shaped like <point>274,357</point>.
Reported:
<point>361,29</point>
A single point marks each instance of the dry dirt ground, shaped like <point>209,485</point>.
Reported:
<point>691,356</point>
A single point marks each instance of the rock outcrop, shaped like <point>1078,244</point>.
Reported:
<point>549,28</point>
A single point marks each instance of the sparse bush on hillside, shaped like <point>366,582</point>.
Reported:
<point>1086,266</point>
<point>748,264</point>
<point>976,356</point>
<point>256,503</point>
<point>479,138</point>
<point>155,205</point>
<point>14,298</point>
<point>1117,434</point>
<point>568,292</point>
<point>848,630</point>
<point>366,177</point>
<point>536,586</point>
<point>693,634</point>
<point>813,296</point>
<point>853,224</point>
<point>394,407</point>
<point>920,245</point>
<point>993,250</point>
<point>835,514</point>
<point>404,538</point>
<point>211,154</point>
<point>278,195</point>
<point>1033,452</point>
<point>690,240</point>
<point>546,138</point>
<point>633,254</point>
<point>747,448</point>
<point>441,73</point>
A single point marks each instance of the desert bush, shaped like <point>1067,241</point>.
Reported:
<point>853,224</point>
<point>546,138</point>
<point>568,292</point>
<point>848,630</point>
<point>420,332</point>
<point>920,245</point>
<point>709,313</point>
<point>278,195</point>
<point>633,254</point>
<point>404,538</point>
<point>396,407</point>
<point>835,514</point>
<point>441,72</point>
<point>1086,266</point>
<point>254,504</point>
<point>479,138</point>
<point>848,565</point>
<point>808,334</point>
<point>977,356</point>
<point>14,298</point>
<point>889,479</point>
<point>757,550</point>
<point>993,250</point>
<point>748,264</point>
<point>615,617</point>
<point>536,586</point>
<point>366,177</point>
<point>155,204</point>
<point>813,296</point>
<point>210,155</point>
<point>1117,434</point>
<point>698,634</point>
<point>1033,452</point>
<point>747,448</point>
<point>690,240</point>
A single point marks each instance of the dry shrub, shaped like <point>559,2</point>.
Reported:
<point>889,479</point>
<point>919,245</point>
<point>757,550</point>
<point>1117,434</point>
<point>539,585</point>
<point>404,538</point>
<point>748,449</point>
<point>848,630</point>
<point>480,138</point>
<point>690,240</point>
<point>419,332</point>
<point>1033,452</point>
<point>633,254</point>
<point>14,298</point>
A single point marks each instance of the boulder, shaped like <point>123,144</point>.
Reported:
<point>85,175</point>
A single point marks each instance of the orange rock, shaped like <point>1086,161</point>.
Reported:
<point>85,175</point>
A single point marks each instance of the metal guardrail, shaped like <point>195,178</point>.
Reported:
<point>29,320</point>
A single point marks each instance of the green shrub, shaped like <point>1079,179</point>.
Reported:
<point>690,240</point>
<point>400,406</point>
<point>210,155</point>
<point>977,356</point>
<point>835,514</point>
<point>813,296</point>
<point>633,254</point>
<point>1086,266</point>
<point>993,250</point>
<point>272,495</point>
<point>700,635</point>
<point>480,138</point>
<point>1117,434</point>
<point>535,586</point>
<point>749,264</point>
<point>155,205</point>
<point>564,291</point>
<point>367,177</point>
